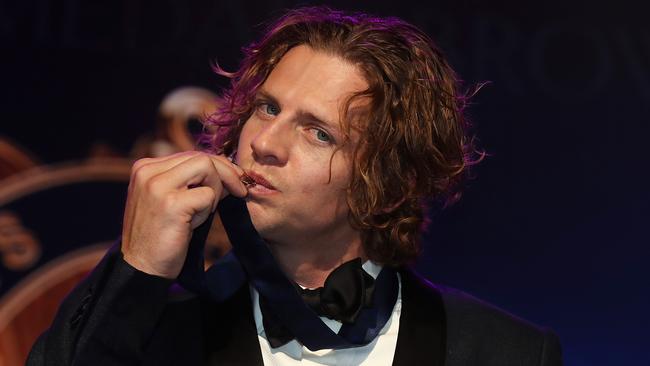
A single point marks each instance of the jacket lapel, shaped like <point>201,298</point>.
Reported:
<point>231,335</point>
<point>422,329</point>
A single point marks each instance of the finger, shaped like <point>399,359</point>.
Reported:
<point>185,173</point>
<point>201,170</point>
<point>228,162</point>
<point>201,201</point>
<point>144,169</point>
<point>149,167</point>
<point>230,175</point>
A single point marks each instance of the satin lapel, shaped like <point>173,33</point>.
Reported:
<point>231,335</point>
<point>422,326</point>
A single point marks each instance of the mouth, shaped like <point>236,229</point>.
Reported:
<point>251,179</point>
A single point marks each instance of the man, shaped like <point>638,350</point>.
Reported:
<point>334,130</point>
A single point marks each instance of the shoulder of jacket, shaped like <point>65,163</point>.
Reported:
<point>481,333</point>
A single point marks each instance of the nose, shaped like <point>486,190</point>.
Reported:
<point>271,143</point>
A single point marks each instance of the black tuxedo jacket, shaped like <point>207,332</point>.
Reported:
<point>120,316</point>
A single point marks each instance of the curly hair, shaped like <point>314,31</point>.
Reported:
<point>415,144</point>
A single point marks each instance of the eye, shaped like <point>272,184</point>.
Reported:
<point>268,108</point>
<point>322,135</point>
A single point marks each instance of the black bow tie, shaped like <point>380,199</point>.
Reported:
<point>346,291</point>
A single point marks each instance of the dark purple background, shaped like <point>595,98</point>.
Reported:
<point>554,228</point>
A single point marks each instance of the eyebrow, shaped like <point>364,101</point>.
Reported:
<point>302,113</point>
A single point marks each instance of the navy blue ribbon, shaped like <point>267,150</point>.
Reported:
<point>250,259</point>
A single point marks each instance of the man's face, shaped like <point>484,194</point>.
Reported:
<point>287,146</point>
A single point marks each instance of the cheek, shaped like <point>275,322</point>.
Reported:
<point>244,138</point>
<point>328,194</point>
<point>244,141</point>
<point>315,178</point>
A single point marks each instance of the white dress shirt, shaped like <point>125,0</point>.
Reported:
<point>379,352</point>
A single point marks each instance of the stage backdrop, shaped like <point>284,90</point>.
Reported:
<point>555,225</point>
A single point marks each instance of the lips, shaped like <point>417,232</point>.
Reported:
<point>258,179</point>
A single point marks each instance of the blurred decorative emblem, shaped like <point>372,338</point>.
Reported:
<point>14,158</point>
<point>19,248</point>
<point>57,221</point>
<point>179,123</point>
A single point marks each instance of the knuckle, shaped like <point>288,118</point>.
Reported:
<point>138,168</point>
<point>204,160</point>
<point>142,162</point>
<point>190,152</point>
<point>221,158</point>
<point>154,186</point>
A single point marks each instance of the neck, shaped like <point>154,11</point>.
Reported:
<point>310,262</point>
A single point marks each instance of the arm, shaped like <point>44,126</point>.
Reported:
<point>110,317</point>
<point>106,320</point>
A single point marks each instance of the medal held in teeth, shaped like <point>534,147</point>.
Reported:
<point>247,180</point>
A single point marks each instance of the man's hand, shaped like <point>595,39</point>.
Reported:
<point>168,198</point>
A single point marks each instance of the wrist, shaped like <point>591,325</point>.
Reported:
<point>143,266</point>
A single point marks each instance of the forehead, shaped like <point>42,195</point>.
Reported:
<point>315,82</point>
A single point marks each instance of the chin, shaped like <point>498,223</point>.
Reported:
<point>259,218</point>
